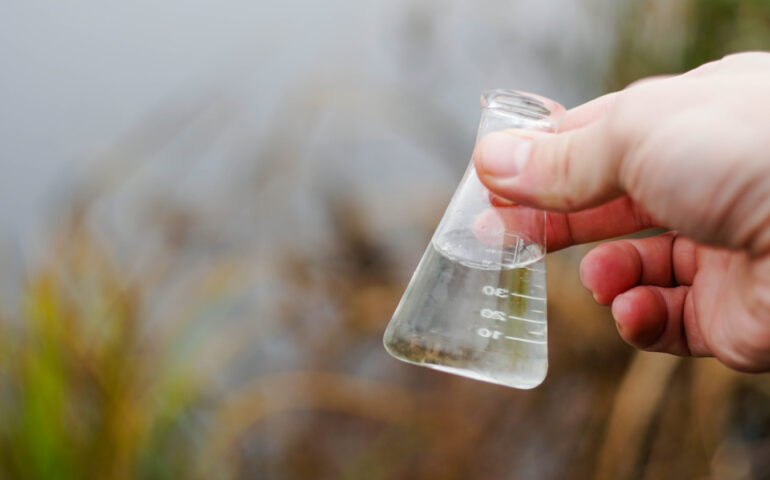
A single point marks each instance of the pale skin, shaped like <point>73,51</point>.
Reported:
<point>690,153</point>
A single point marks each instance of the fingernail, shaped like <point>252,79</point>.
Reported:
<point>503,155</point>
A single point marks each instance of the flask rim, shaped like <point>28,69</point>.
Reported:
<point>525,104</point>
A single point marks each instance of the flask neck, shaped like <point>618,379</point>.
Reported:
<point>504,109</point>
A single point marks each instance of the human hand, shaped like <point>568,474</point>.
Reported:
<point>689,153</point>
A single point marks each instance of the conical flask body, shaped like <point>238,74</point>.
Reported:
<point>486,323</point>
<point>476,304</point>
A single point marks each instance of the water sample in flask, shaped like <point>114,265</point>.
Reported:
<point>476,304</point>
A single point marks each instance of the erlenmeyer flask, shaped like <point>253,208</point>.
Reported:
<point>476,304</point>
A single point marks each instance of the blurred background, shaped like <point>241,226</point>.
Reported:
<point>208,213</point>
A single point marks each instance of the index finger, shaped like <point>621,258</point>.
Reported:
<point>510,222</point>
<point>612,219</point>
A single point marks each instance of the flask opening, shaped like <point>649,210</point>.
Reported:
<point>524,104</point>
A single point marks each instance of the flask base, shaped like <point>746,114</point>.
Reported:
<point>491,367</point>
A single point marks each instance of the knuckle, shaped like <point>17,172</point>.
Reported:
<point>742,56</point>
<point>557,172</point>
<point>566,155</point>
<point>626,131</point>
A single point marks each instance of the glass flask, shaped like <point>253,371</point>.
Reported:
<point>476,304</point>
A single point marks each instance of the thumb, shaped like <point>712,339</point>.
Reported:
<point>567,171</point>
